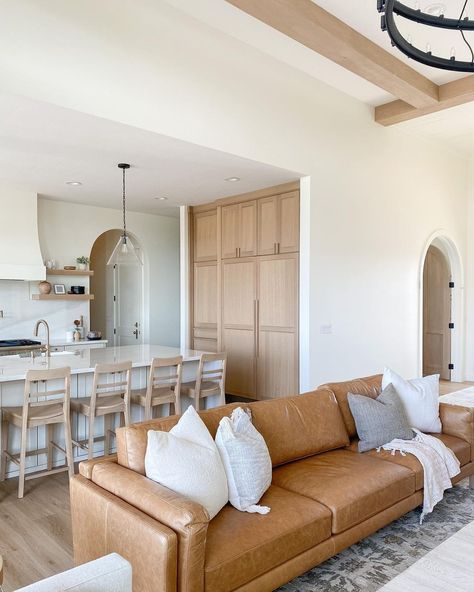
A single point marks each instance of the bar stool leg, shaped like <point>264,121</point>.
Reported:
<point>49,444</point>
<point>68,445</point>
<point>107,432</point>
<point>21,479</point>
<point>3,449</point>
<point>90,445</point>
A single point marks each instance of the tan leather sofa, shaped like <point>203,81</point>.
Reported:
<point>324,497</point>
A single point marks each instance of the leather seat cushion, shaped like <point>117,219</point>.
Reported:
<point>460,448</point>
<point>353,486</point>
<point>241,546</point>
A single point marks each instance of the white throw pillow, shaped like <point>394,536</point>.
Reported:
<point>186,460</point>
<point>246,460</point>
<point>420,398</point>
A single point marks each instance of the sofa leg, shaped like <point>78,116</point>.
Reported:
<point>471,481</point>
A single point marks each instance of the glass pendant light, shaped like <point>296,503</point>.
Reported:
<point>125,252</point>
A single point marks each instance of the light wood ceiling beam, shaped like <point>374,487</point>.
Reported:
<point>451,94</point>
<point>314,27</point>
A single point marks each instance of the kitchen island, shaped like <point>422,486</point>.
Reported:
<point>82,362</point>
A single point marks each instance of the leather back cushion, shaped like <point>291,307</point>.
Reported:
<point>293,428</point>
<point>371,386</point>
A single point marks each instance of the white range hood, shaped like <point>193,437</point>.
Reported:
<point>20,253</point>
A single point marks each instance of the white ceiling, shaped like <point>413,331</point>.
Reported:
<point>450,127</point>
<point>43,146</point>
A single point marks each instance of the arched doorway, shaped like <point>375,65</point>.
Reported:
<point>441,285</point>
<point>436,314</point>
<point>117,309</point>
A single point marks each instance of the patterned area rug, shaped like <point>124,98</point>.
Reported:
<point>368,565</point>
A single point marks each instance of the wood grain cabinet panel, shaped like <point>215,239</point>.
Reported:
<point>278,224</point>
<point>205,236</point>
<point>289,226</point>
<point>205,294</point>
<point>239,230</point>
<point>268,225</point>
<point>230,231</point>
<point>277,327</point>
<point>239,286</point>
<point>248,229</point>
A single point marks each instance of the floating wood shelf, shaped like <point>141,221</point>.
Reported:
<point>62,297</point>
<point>87,272</point>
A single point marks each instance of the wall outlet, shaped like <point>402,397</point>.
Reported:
<point>325,329</point>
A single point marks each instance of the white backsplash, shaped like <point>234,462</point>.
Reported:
<point>20,313</point>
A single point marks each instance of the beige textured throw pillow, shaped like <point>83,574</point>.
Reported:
<point>186,460</point>
<point>246,460</point>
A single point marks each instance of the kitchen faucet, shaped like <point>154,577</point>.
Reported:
<point>35,332</point>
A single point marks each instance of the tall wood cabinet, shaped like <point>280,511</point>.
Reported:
<point>245,289</point>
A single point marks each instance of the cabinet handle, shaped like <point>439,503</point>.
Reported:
<point>257,328</point>
<point>239,253</point>
<point>236,252</point>
<point>275,250</point>
<point>278,245</point>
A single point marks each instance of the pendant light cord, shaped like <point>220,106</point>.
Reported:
<point>123,203</point>
<point>462,32</point>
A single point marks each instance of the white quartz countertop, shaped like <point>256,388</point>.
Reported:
<point>60,342</point>
<point>83,360</point>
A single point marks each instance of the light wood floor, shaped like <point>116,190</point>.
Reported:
<point>446,387</point>
<point>35,532</point>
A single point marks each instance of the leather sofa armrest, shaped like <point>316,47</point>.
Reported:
<point>102,524</point>
<point>86,467</point>
<point>187,518</point>
<point>458,421</point>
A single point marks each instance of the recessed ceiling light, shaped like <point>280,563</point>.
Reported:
<point>162,198</point>
<point>233,179</point>
<point>74,183</point>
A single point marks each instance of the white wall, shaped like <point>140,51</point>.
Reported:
<point>68,230</point>
<point>376,194</point>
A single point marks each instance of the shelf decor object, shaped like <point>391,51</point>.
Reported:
<point>125,252</point>
<point>398,16</point>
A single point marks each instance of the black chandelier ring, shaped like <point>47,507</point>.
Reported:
<point>390,8</point>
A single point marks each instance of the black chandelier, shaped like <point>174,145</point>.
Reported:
<point>390,8</point>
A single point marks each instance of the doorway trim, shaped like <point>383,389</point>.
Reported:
<point>442,240</point>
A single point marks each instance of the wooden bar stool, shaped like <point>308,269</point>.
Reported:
<point>210,379</point>
<point>41,407</point>
<point>108,398</point>
<point>161,388</point>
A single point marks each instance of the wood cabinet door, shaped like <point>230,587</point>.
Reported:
<point>267,236</point>
<point>205,295</point>
<point>230,231</point>
<point>238,326</point>
<point>205,236</point>
<point>289,222</point>
<point>247,229</point>
<point>277,327</point>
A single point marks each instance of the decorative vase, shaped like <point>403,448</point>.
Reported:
<point>82,266</point>
<point>44,287</point>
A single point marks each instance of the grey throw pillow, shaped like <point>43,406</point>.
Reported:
<point>379,421</point>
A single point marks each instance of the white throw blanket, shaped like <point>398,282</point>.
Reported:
<point>439,463</point>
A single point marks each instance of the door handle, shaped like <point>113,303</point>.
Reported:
<point>275,250</point>
<point>136,332</point>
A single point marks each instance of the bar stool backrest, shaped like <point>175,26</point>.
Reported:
<point>119,385</point>
<point>37,393</point>
<point>212,367</point>
<point>173,379</point>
